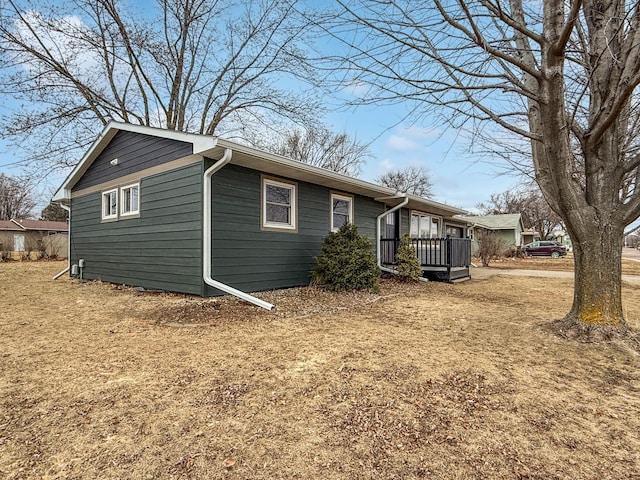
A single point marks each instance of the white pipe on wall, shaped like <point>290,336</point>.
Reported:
<point>207,247</point>
<point>378,228</point>
<point>59,274</point>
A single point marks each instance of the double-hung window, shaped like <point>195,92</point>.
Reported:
<point>110,204</point>
<point>121,202</point>
<point>341,211</point>
<point>278,204</point>
<point>130,199</point>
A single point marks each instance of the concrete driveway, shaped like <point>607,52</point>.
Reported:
<point>483,272</point>
<point>631,254</point>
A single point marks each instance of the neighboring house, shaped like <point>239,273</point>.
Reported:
<point>17,236</point>
<point>507,226</point>
<point>198,214</point>
<point>561,236</point>
<point>529,236</point>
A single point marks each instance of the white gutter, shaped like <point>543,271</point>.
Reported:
<point>207,247</point>
<point>58,275</point>
<point>378,228</point>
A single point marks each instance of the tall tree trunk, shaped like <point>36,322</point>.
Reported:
<point>585,194</point>
<point>597,299</point>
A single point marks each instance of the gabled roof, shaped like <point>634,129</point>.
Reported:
<point>11,225</point>
<point>214,148</point>
<point>28,224</point>
<point>506,221</point>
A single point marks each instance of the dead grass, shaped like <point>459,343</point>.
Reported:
<point>430,381</point>
<point>565,264</point>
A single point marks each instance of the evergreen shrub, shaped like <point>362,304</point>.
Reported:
<point>347,262</point>
<point>407,263</point>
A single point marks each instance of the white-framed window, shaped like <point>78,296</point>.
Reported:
<point>341,211</point>
<point>110,204</point>
<point>278,204</point>
<point>130,199</point>
<point>424,225</point>
<point>391,218</point>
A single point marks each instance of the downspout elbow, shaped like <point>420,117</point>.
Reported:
<point>207,247</point>
<point>378,228</point>
<point>59,274</point>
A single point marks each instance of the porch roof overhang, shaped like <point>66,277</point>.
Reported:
<point>249,157</point>
<point>506,221</point>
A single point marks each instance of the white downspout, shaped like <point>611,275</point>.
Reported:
<point>59,274</point>
<point>378,228</point>
<point>207,247</point>
<point>474,232</point>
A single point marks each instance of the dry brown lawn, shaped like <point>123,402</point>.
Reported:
<point>629,267</point>
<point>430,381</point>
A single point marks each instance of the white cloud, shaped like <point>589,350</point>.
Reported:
<point>63,37</point>
<point>420,133</point>
<point>356,88</point>
<point>385,165</point>
<point>399,143</point>
<point>405,139</point>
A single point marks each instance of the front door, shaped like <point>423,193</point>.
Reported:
<point>18,242</point>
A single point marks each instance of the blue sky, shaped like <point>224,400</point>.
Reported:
<point>458,179</point>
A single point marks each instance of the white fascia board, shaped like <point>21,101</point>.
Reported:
<point>205,145</point>
<point>442,206</point>
<point>295,165</point>
<point>199,142</point>
<point>375,191</point>
<point>471,222</point>
<point>64,191</point>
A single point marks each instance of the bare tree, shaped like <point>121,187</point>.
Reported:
<point>203,66</point>
<point>15,198</point>
<point>562,75</point>
<point>55,213</point>
<point>530,203</point>
<point>415,180</point>
<point>318,145</point>
<point>490,246</point>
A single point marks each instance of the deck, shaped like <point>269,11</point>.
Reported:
<point>444,259</point>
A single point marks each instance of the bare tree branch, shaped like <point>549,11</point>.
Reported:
<point>194,65</point>
<point>561,75</point>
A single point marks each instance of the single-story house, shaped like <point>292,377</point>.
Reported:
<point>17,236</point>
<point>561,236</point>
<point>530,235</point>
<point>507,226</point>
<point>198,214</point>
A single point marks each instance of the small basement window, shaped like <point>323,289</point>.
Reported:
<point>341,211</point>
<point>110,204</point>
<point>130,199</point>
<point>278,204</point>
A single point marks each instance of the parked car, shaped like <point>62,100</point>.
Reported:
<point>545,247</point>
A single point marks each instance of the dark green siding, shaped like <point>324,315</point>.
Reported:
<point>250,259</point>
<point>135,152</point>
<point>162,249</point>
